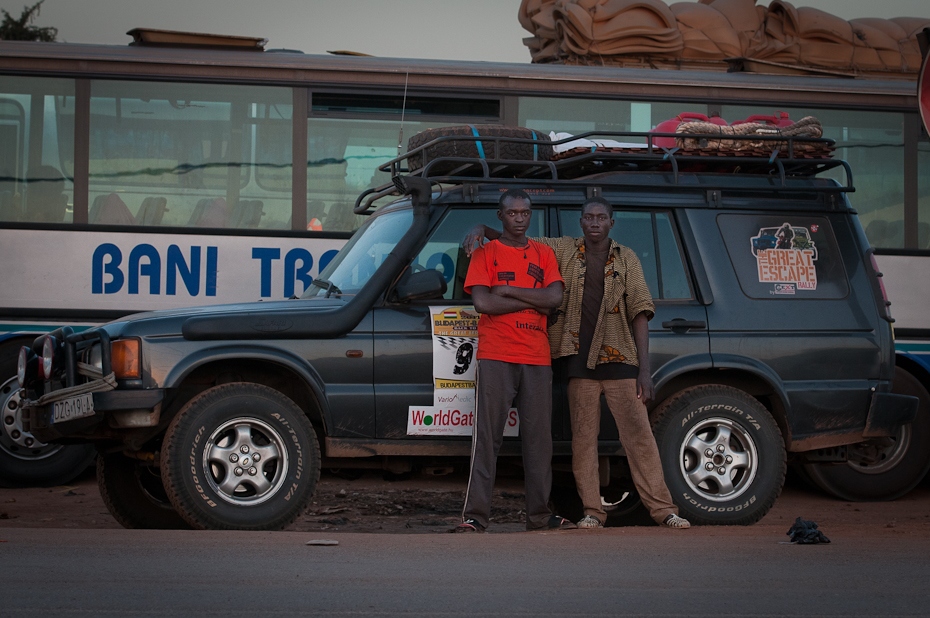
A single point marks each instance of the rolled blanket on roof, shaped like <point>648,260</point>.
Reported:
<point>720,136</point>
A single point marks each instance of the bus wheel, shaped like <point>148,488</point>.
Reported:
<point>723,455</point>
<point>882,468</point>
<point>240,456</point>
<point>540,149</point>
<point>26,462</point>
<point>134,494</point>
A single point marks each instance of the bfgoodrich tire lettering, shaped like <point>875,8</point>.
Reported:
<point>134,494</point>
<point>240,456</point>
<point>882,468</point>
<point>723,455</point>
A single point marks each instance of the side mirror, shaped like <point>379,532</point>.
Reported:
<point>420,285</point>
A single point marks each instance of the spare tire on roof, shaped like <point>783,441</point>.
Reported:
<point>540,149</point>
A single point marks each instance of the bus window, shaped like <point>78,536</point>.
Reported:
<point>923,195</point>
<point>349,136</point>
<point>32,187</point>
<point>873,144</point>
<point>547,115</point>
<point>12,125</point>
<point>182,155</point>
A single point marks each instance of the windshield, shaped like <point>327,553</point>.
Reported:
<point>348,272</point>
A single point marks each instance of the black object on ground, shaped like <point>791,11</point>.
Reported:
<point>806,532</point>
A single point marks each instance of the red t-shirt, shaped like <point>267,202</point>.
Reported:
<point>518,337</point>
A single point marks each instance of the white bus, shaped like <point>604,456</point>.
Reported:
<point>145,176</point>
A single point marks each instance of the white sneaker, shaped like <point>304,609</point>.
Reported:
<point>674,521</point>
<point>589,522</point>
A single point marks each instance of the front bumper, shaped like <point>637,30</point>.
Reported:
<point>116,409</point>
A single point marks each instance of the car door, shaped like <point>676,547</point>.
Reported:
<point>412,340</point>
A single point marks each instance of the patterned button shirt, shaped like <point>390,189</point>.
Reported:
<point>626,295</point>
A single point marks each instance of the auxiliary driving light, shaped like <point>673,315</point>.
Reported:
<point>27,366</point>
<point>48,362</point>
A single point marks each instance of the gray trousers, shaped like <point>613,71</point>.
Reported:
<point>528,388</point>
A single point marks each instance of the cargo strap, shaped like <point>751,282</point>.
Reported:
<point>478,144</point>
<point>106,383</point>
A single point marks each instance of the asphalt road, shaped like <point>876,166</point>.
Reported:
<point>640,571</point>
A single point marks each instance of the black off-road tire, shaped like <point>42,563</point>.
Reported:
<point>24,461</point>
<point>134,494</point>
<point>723,455</point>
<point>539,150</point>
<point>629,511</point>
<point>208,461</point>
<point>902,461</point>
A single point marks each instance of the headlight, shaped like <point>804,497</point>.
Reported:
<point>93,356</point>
<point>51,357</point>
<point>26,366</point>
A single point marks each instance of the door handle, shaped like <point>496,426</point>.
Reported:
<point>679,325</point>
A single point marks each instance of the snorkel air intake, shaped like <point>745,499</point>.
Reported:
<point>328,324</point>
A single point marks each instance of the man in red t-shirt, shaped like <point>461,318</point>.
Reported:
<point>514,283</point>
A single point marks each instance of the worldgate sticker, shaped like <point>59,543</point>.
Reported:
<point>455,347</point>
<point>452,421</point>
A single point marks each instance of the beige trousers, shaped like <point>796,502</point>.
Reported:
<point>636,436</point>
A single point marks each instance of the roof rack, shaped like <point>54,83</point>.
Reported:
<point>761,155</point>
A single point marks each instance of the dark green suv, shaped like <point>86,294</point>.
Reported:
<point>771,342</point>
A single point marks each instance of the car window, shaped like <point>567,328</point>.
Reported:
<point>784,256</point>
<point>443,249</point>
<point>358,260</point>
<point>652,237</point>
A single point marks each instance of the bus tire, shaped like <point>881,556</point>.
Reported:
<point>208,459</point>
<point>26,462</point>
<point>723,455</point>
<point>882,469</point>
<point>133,493</point>
<point>540,150</point>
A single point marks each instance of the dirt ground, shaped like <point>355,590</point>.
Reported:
<point>429,504</point>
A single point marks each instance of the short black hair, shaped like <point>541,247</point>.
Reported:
<point>510,195</point>
<point>600,202</point>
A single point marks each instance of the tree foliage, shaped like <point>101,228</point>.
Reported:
<point>22,29</point>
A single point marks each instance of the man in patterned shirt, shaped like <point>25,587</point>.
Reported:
<point>602,328</point>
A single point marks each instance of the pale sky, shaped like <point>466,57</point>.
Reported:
<point>442,29</point>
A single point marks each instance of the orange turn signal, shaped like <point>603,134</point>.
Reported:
<point>124,356</point>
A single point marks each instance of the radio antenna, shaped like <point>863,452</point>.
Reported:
<point>403,110</point>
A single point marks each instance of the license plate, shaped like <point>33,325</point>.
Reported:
<point>72,408</point>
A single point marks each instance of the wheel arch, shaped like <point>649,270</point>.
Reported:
<point>285,372</point>
<point>743,373</point>
<point>914,366</point>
